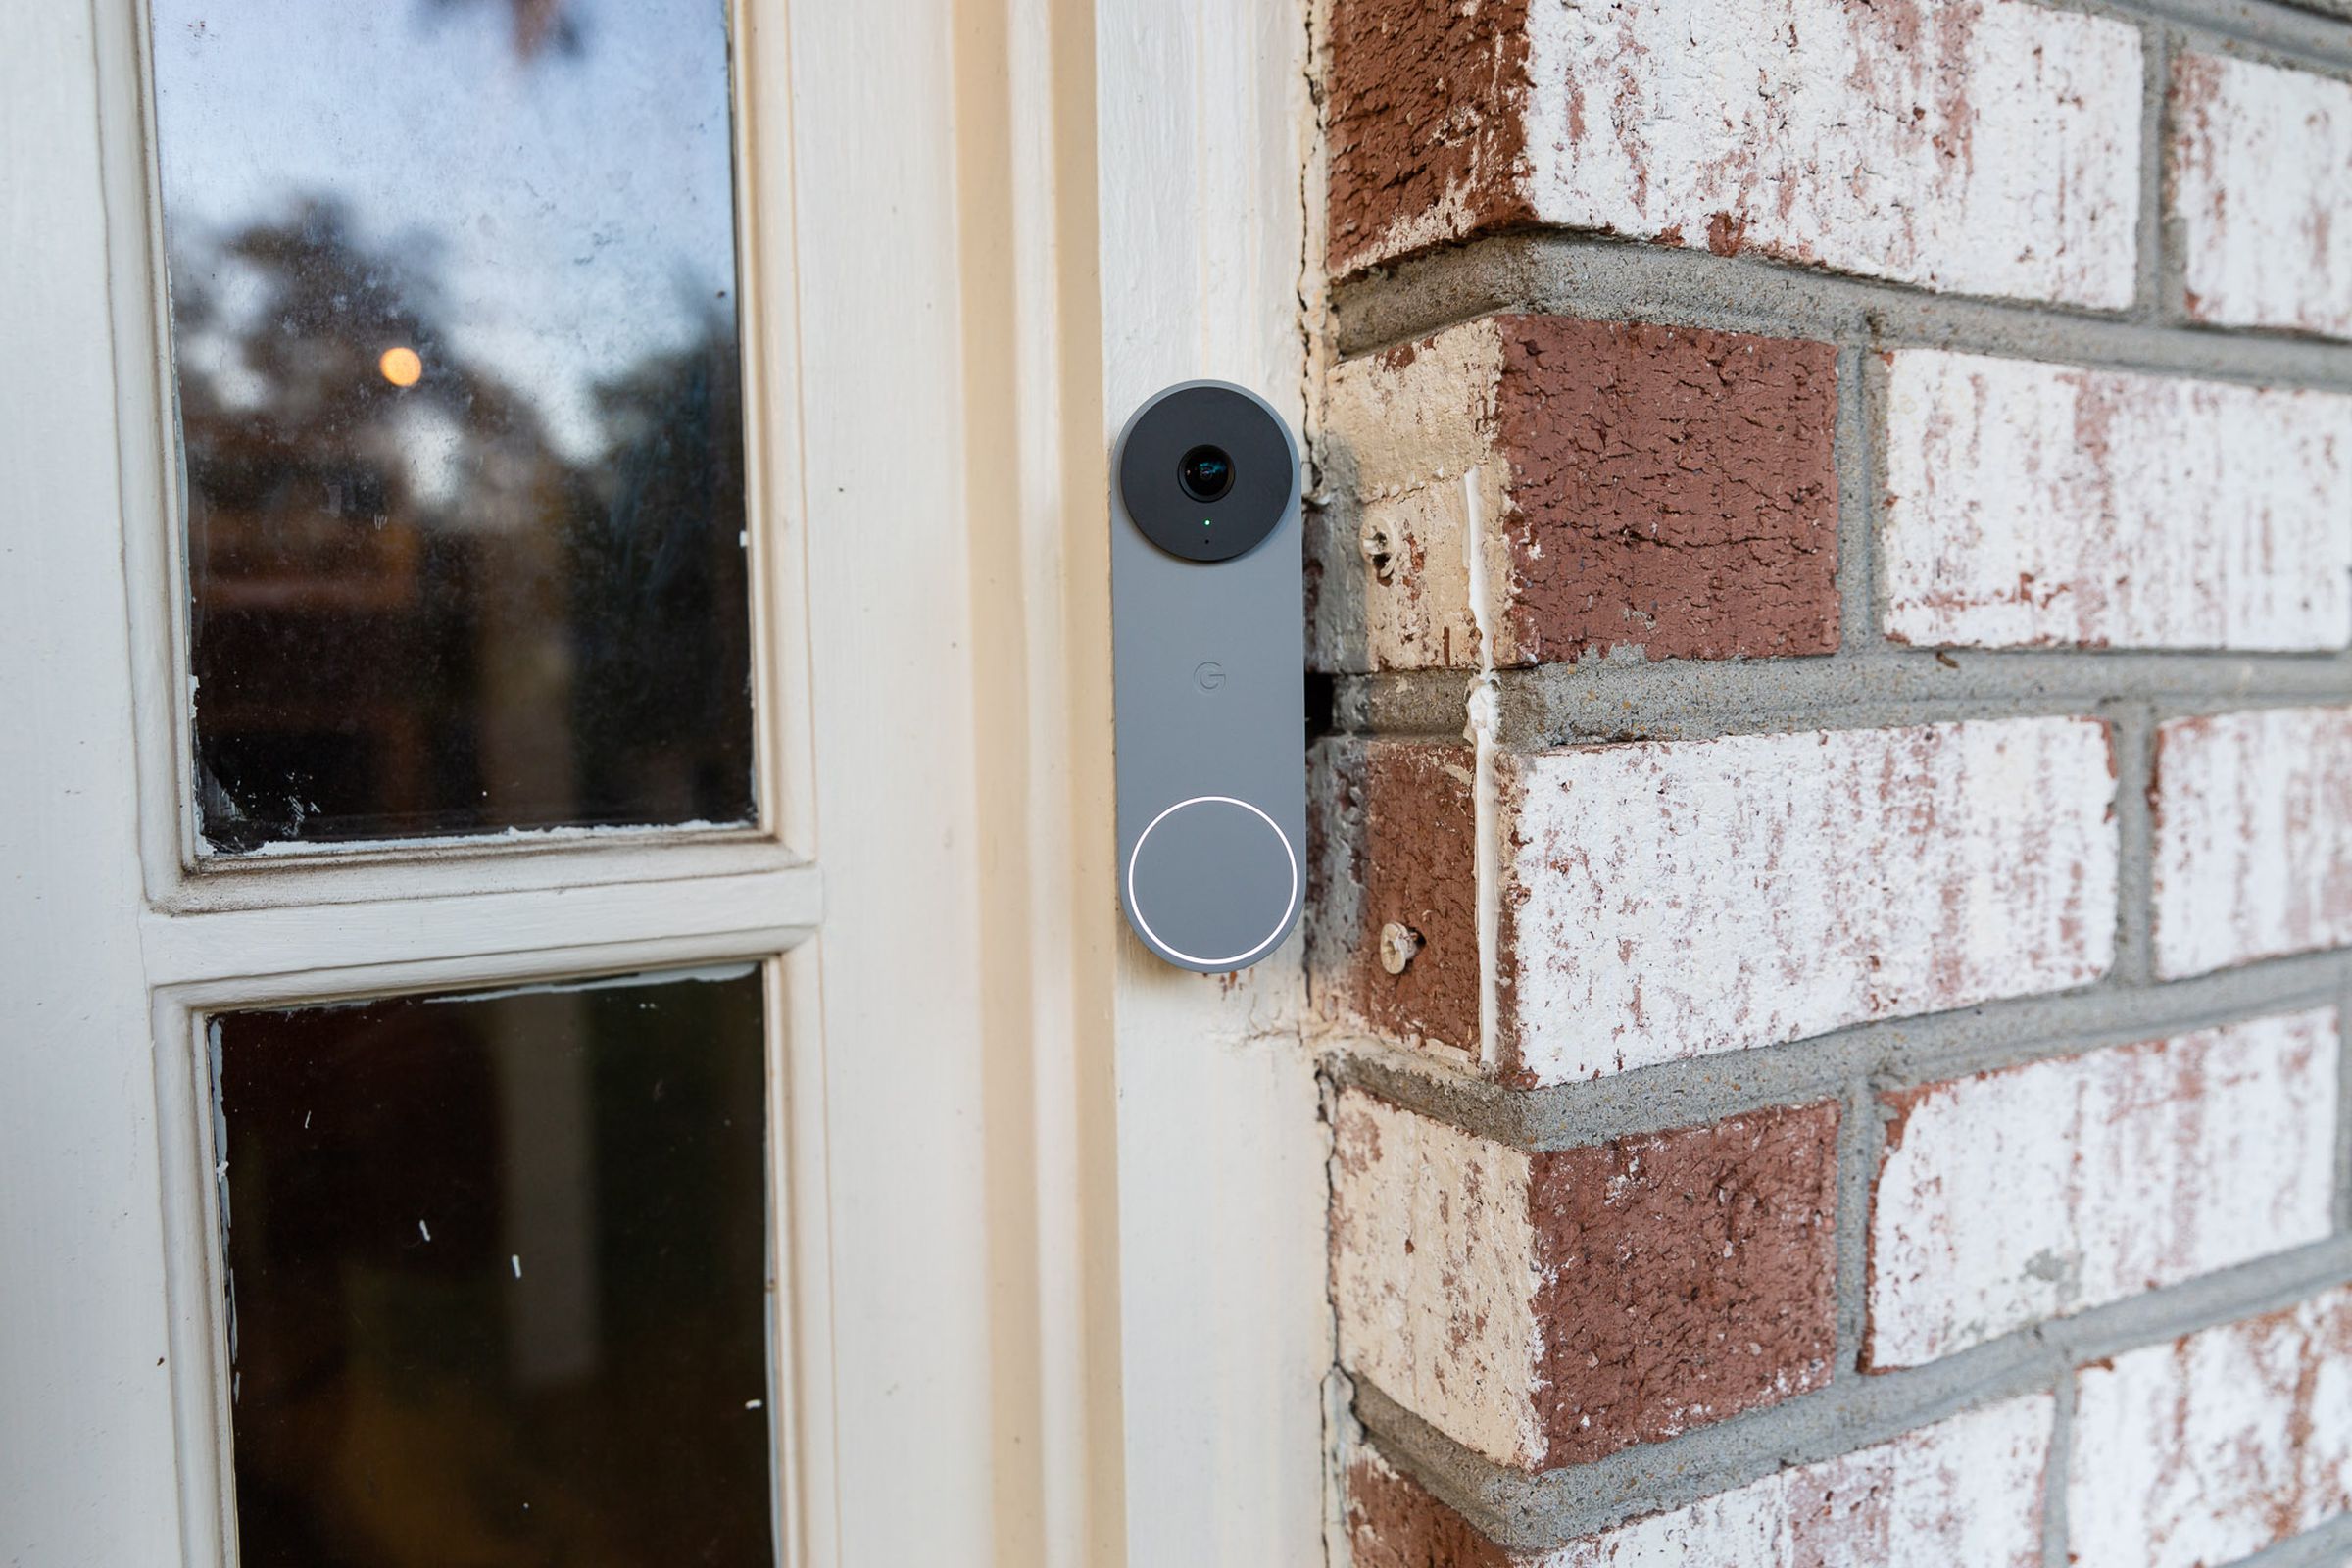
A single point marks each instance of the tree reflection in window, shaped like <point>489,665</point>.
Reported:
<point>454,306</point>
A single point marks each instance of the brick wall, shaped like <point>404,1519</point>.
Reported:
<point>1832,576</point>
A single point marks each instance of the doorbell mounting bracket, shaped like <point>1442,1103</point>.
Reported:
<point>1208,647</point>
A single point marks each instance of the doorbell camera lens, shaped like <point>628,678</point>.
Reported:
<point>1206,473</point>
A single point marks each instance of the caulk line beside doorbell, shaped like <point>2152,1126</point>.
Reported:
<point>1209,675</point>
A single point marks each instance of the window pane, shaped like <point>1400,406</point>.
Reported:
<point>497,1273</point>
<point>453,306</point>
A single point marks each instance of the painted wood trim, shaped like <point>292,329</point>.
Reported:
<point>257,945</point>
<point>1203,130</point>
<point>454,913</point>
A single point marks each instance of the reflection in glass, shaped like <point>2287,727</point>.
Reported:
<point>497,1270</point>
<point>453,303</point>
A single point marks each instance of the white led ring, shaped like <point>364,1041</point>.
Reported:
<point>1136,908</point>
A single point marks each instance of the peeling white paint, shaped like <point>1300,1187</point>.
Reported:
<point>2261,166</point>
<point>2209,1448</point>
<point>2041,504</point>
<point>2253,836</point>
<point>1676,898</point>
<point>1982,146</point>
<point>2019,1195</point>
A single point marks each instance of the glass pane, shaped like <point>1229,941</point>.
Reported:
<point>497,1278</point>
<point>453,306</point>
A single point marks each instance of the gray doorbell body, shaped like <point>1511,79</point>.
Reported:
<point>1209,650</point>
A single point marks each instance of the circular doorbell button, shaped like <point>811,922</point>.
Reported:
<point>1212,882</point>
<point>1207,473</point>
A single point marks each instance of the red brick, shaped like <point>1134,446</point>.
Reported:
<point>1425,115</point>
<point>1393,1522</point>
<point>1616,486</point>
<point>1407,815</point>
<point>1549,1308</point>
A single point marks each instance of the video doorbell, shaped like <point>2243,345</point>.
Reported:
<point>1209,677</point>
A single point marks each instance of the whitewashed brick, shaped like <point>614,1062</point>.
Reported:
<point>2040,503</point>
<point>1966,1491</point>
<point>2253,852</point>
<point>1433,1260</point>
<point>2261,194</point>
<point>2212,1448</point>
<point>1664,899</point>
<point>2019,1195</point>
<point>1984,146</point>
<point>1419,433</point>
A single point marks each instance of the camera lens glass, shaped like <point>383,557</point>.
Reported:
<point>1206,473</point>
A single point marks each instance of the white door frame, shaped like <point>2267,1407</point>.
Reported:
<point>1053,1214</point>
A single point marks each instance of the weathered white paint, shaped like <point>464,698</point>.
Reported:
<point>2043,504</point>
<point>1224,1326</point>
<point>1415,439</point>
<point>1676,898</point>
<point>2261,175</point>
<point>2253,841</point>
<point>2014,1197</point>
<point>367,920</point>
<point>2214,1447</point>
<point>1435,1272</point>
<point>1965,1490</point>
<point>455,927</point>
<point>1982,146</point>
<point>983,1363</point>
<point>86,1422</point>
